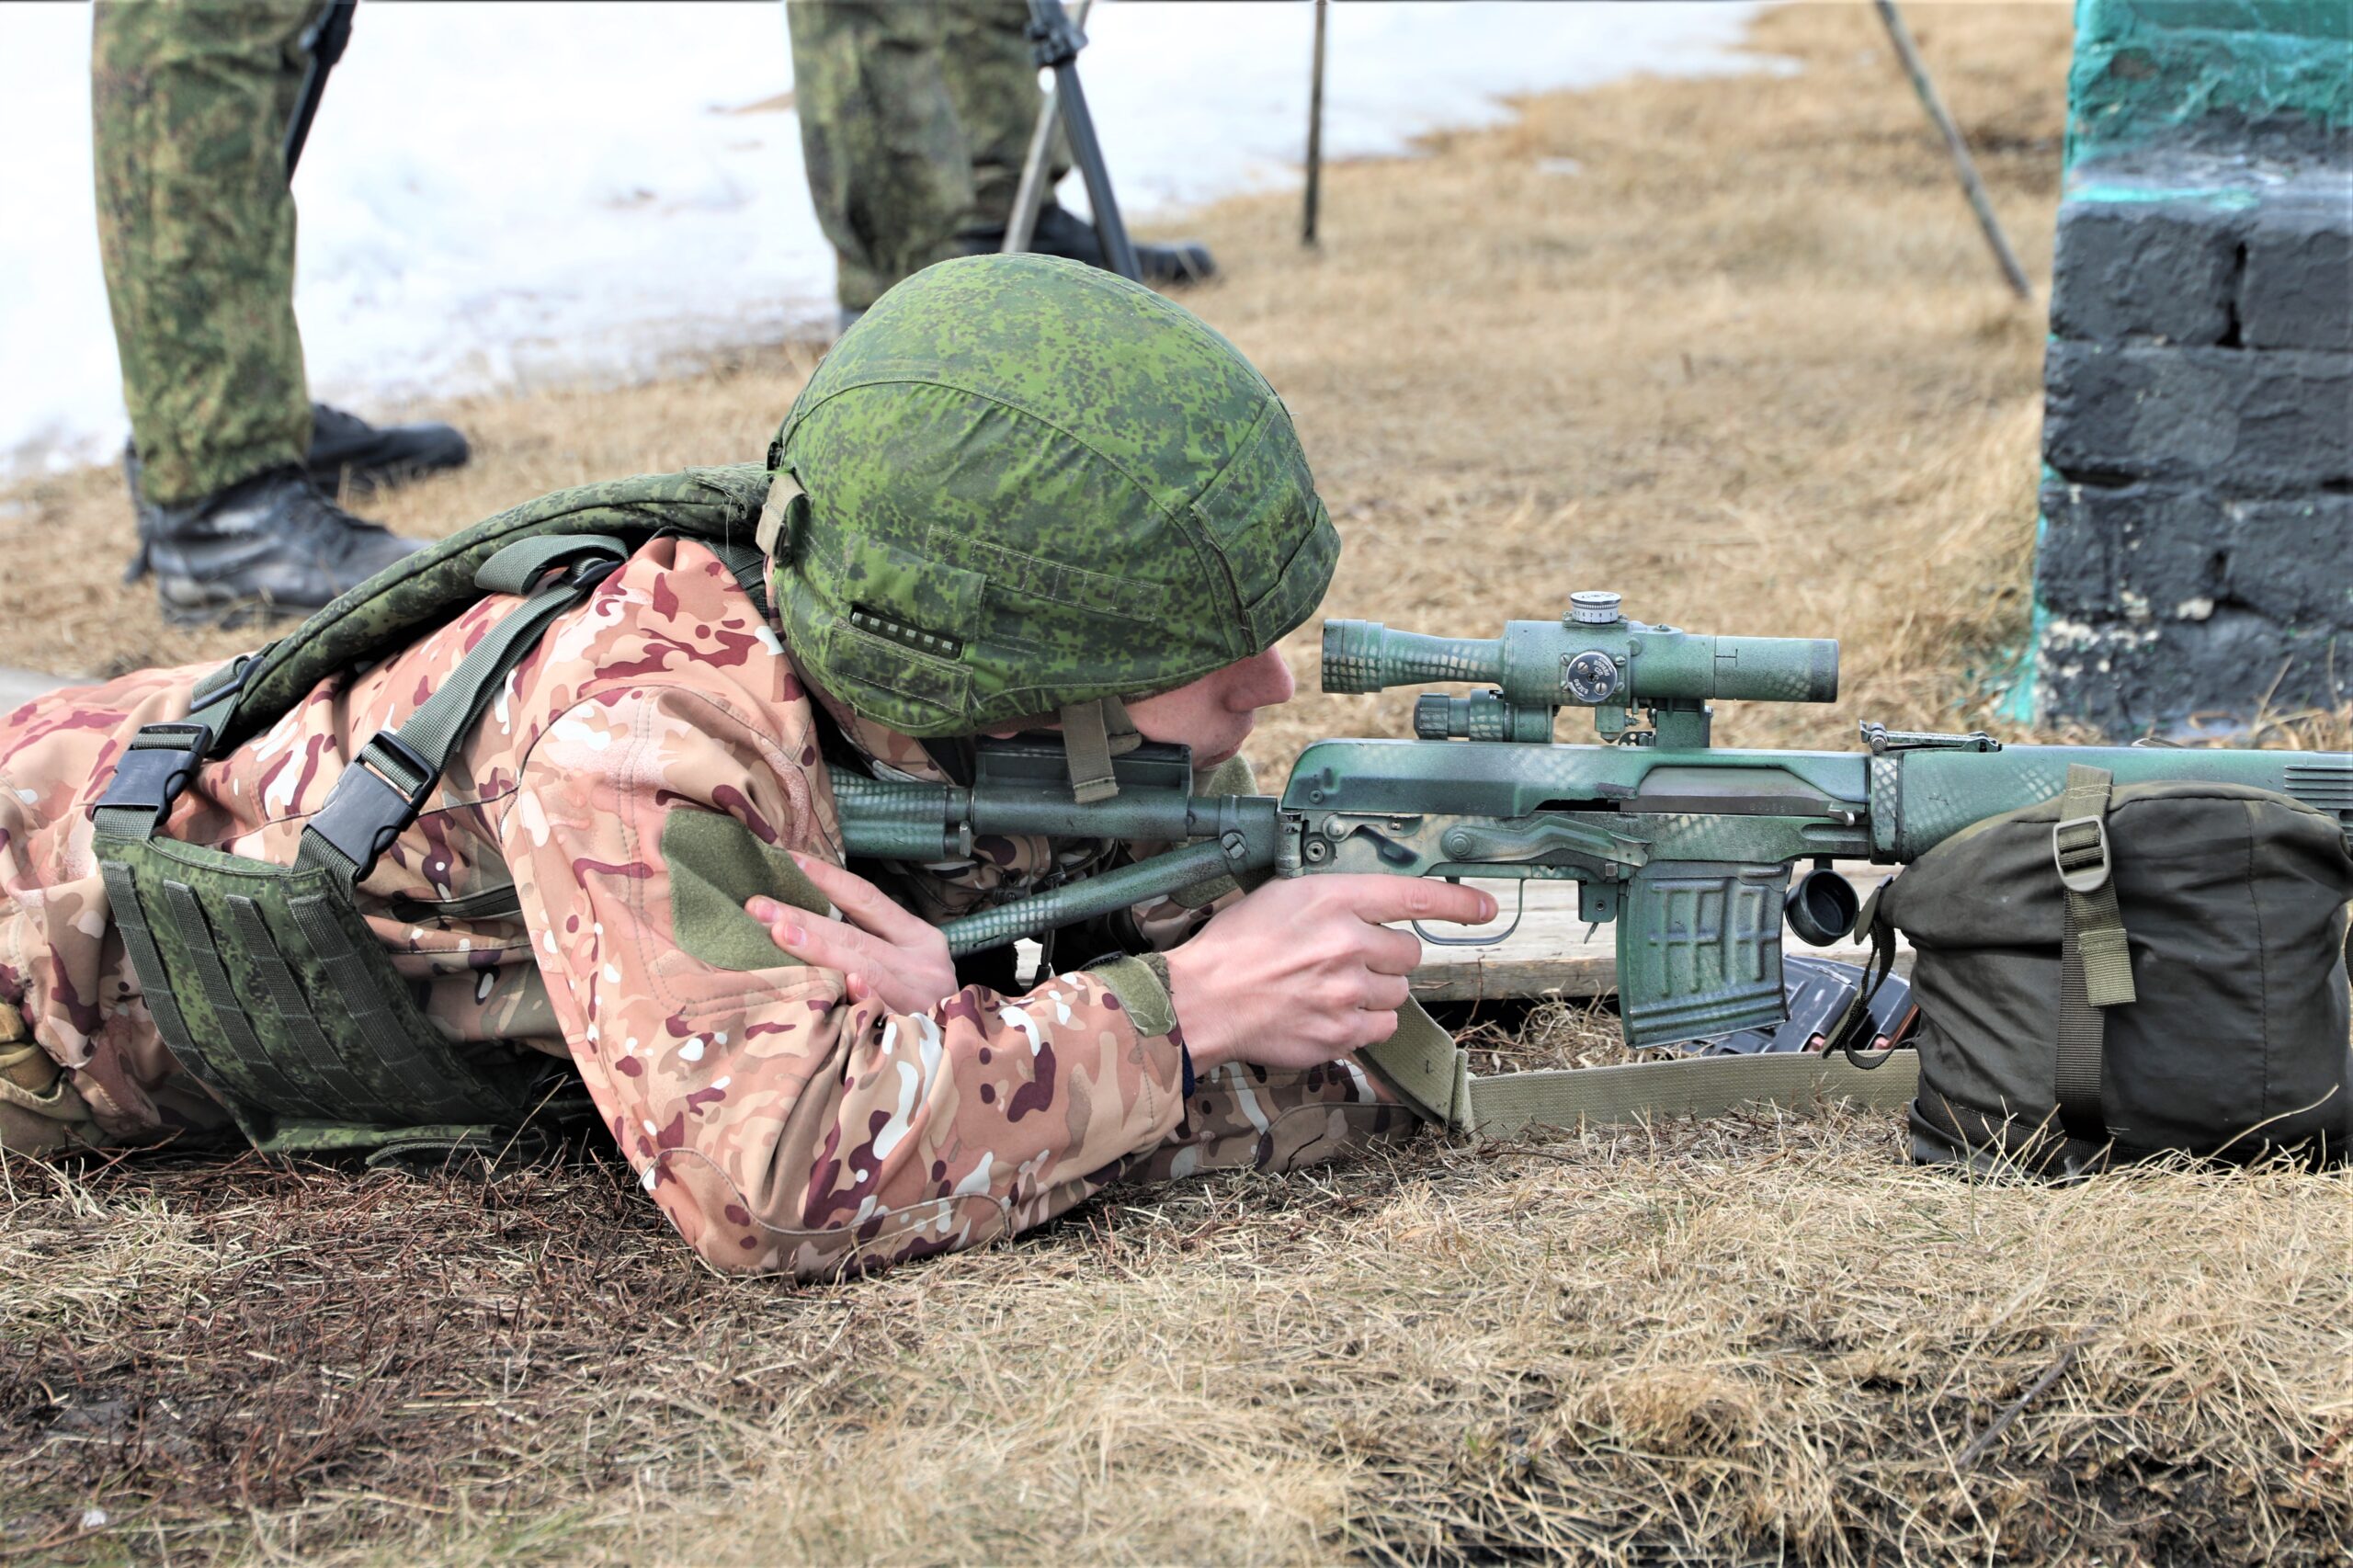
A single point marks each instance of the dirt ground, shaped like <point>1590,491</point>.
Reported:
<point>1749,365</point>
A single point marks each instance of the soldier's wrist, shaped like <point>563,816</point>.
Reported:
<point>1196,1023</point>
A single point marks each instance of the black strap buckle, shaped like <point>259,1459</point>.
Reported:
<point>226,682</point>
<point>154,769</point>
<point>587,575</point>
<point>370,805</point>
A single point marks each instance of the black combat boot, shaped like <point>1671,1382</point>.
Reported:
<point>270,545</point>
<point>348,452</point>
<point>1062,233</point>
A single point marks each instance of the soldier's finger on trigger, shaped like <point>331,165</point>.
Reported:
<point>1419,898</point>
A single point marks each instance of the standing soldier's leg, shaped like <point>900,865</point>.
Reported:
<point>993,80</point>
<point>992,77</point>
<point>190,104</point>
<point>196,225</point>
<point>889,166</point>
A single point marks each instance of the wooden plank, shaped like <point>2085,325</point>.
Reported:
<point>1551,953</point>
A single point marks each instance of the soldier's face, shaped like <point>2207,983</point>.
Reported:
<point>1215,714</point>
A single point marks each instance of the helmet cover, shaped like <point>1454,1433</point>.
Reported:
<point>1029,483</point>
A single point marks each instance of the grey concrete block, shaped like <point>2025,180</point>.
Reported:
<point>2139,553</point>
<point>2297,289</point>
<point>2248,423</point>
<point>2146,269</point>
<point>2131,680</point>
<point>2293,560</point>
<point>2164,602</point>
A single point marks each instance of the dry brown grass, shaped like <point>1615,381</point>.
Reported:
<point>1751,368</point>
<point>1741,1339</point>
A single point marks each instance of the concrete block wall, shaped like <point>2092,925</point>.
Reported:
<point>2195,556</point>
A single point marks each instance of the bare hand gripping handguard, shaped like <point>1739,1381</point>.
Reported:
<point>1688,848</point>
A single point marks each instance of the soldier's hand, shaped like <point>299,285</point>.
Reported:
<point>882,951</point>
<point>1305,970</point>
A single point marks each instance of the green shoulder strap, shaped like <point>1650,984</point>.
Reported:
<point>2095,963</point>
<point>376,798</point>
<point>1432,1075</point>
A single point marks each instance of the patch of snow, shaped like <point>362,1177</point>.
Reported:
<point>499,196</point>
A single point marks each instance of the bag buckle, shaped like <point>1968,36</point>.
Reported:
<point>2079,849</point>
<point>370,806</point>
<point>585,574</point>
<point>240,670</point>
<point>154,767</point>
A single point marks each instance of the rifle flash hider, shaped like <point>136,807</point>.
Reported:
<point>1591,657</point>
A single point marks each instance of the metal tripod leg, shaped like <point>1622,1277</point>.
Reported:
<point>1030,197</point>
<point>1058,40</point>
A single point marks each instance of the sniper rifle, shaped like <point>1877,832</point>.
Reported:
<point>1687,848</point>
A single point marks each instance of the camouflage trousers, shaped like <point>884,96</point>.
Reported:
<point>189,104</point>
<point>1238,1118</point>
<point>915,115</point>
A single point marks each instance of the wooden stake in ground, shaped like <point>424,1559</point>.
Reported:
<point>1970,185</point>
<point>1030,198</point>
<point>1314,129</point>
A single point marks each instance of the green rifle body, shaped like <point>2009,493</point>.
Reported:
<point>1686,847</point>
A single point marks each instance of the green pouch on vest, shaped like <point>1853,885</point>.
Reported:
<point>263,980</point>
<point>270,988</point>
<point>2110,976</point>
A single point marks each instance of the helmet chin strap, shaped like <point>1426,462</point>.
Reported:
<point>1092,733</point>
<point>775,527</point>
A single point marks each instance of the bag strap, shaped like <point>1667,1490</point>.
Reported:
<point>1432,1075</point>
<point>1854,1023</point>
<point>2095,963</point>
<point>377,796</point>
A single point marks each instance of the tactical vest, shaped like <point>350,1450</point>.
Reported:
<point>263,980</point>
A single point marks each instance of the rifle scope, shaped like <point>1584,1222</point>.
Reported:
<point>1591,657</point>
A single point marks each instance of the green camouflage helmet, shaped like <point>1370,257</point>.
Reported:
<point>1020,485</point>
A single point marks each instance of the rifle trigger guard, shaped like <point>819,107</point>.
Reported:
<point>1519,908</point>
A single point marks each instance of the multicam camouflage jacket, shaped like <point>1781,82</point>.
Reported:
<point>565,891</point>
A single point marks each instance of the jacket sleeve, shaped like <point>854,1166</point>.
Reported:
<point>779,1125</point>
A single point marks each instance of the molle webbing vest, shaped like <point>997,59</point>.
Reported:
<point>263,980</point>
